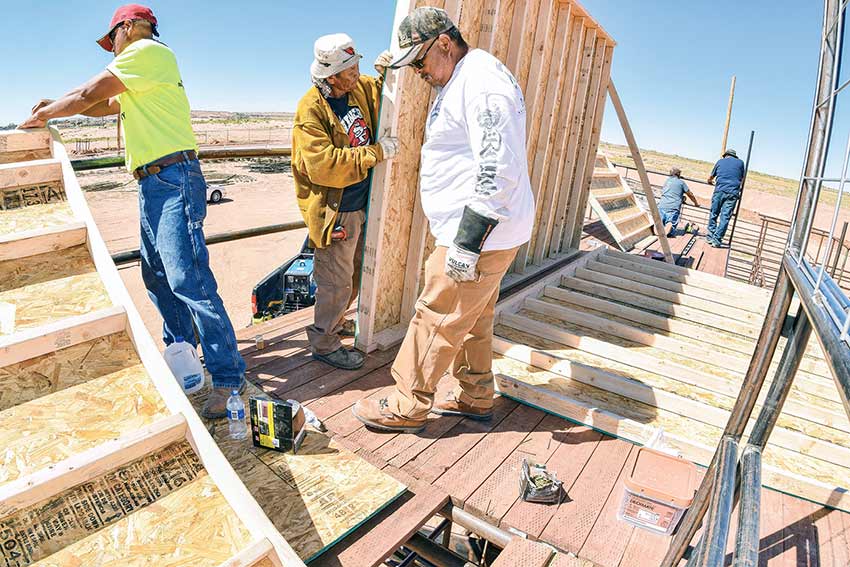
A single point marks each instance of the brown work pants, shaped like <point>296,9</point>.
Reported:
<point>336,270</point>
<point>451,330</point>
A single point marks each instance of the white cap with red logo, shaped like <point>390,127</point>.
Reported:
<point>333,53</point>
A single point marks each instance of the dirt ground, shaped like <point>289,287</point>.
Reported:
<point>252,199</point>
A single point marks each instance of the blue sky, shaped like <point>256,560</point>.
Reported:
<point>672,66</point>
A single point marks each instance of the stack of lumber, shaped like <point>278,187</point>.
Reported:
<point>104,460</point>
<point>613,201</point>
<point>561,59</point>
<point>628,345</point>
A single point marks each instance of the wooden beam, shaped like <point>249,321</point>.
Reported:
<point>663,306</point>
<point>681,398</point>
<point>28,173</point>
<point>379,200</point>
<point>24,140</point>
<point>221,473</point>
<point>32,242</point>
<point>30,343</point>
<point>546,163</point>
<point>587,153</point>
<point>31,489</point>
<point>644,178</point>
<point>728,116</point>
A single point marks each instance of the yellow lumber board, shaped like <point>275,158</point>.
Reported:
<point>656,305</point>
<point>35,217</point>
<point>594,273</point>
<point>100,391</point>
<point>47,287</point>
<point>657,390</point>
<point>718,379</point>
<point>314,497</point>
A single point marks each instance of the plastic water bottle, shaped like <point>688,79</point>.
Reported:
<point>236,416</point>
<point>182,359</point>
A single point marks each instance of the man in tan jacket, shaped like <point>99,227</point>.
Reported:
<point>333,153</point>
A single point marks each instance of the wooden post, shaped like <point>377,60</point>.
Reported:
<point>644,178</point>
<point>728,116</point>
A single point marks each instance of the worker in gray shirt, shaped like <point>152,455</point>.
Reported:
<point>672,197</point>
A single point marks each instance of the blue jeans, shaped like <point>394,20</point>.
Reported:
<point>722,206</point>
<point>176,270</point>
<point>670,216</point>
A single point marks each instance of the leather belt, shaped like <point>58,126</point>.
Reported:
<point>155,167</point>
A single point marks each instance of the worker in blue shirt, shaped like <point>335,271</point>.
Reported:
<point>727,176</point>
<point>672,197</point>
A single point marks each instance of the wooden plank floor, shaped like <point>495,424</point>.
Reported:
<point>476,464</point>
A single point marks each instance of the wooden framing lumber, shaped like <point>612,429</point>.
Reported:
<point>24,145</point>
<point>684,399</point>
<point>589,144</point>
<point>234,492</point>
<point>31,343</point>
<point>46,483</point>
<point>32,242</point>
<point>29,173</point>
<point>619,416</point>
<point>534,38</point>
<point>647,187</point>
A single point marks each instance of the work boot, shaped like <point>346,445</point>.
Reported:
<point>453,406</point>
<point>348,328</point>
<point>378,416</point>
<point>342,358</point>
<point>216,405</point>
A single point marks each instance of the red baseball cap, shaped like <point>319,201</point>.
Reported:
<point>124,13</point>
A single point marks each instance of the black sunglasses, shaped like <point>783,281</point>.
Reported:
<point>420,62</point>
<point>115,29</point>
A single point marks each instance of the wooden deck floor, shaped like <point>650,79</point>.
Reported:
<point>476,463</point>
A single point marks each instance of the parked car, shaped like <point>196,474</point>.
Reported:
<point>215,193</point>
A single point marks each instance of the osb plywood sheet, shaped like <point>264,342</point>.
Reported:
<point>48,287</point>
<point>160,510</point>
<point>796,474</point>
<point>56,371</point>
<point>315,497</point>
<point>25,155</point>
<point>114,400</point>
<point>35,217</point>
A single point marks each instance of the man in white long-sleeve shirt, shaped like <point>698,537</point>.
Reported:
<point>477,197</point>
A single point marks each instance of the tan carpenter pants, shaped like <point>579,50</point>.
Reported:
<point>337,273</point>
<point>451,330</point>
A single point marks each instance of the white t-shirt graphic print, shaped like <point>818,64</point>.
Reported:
<point>475,154</point>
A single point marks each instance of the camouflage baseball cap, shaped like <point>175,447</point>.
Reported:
<point>415,29</point>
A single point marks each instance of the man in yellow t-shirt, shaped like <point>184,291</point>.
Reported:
<point>143,84</point>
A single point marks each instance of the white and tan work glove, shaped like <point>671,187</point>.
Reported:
<point>462,256</point>
<point>390,146</point>
<point>383,61</point>
<point>461,264</point>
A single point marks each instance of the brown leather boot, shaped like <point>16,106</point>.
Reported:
<point>453,406</point>
<point>216,405</point>
<point>377,416</point>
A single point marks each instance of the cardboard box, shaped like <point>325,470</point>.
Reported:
<point>277,425</point>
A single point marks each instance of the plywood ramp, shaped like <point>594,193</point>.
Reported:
<point>561,59</point>
<point>628,346</point>
<point>104,461</point>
